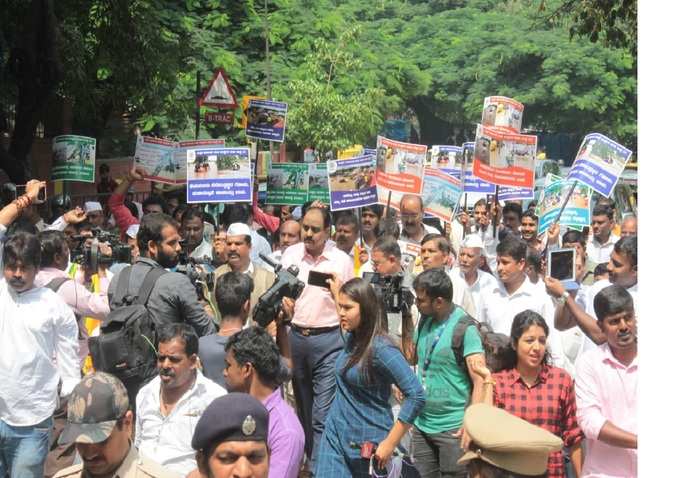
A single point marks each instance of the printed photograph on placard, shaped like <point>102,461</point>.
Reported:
<point>502,112</point>
<point>447,157</point>
<point>266,120</point>
<point>352,182</point>
<point>318,183</point>
<point>73,158</point>
<point>399,168</point>
<point>219,175</point>
<point>576,212</point>
<point>287,183</point>
<point>155,159</point>
<point>441,194</point>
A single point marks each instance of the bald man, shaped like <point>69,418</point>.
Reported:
<point>289,234</point>
<point>629,226</point>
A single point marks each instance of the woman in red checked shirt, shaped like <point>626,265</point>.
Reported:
<point>535,391</point>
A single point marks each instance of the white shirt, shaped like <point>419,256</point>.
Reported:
<point>484,282</point>
<point>573,338</point>
<point>490,244</point>
<point>410,248</point>
<point>259,246</point>
<point>590,307</point>
<point>36,327</point>
<point>202,250</point>
<point>498,309</point>
<point>599,253</point>
<point>167,440</point>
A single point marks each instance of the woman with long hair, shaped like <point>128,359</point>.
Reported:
<point>365,371</point>
<point>535,391</point>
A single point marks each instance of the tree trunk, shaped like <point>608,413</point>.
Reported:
<point>37,70</point>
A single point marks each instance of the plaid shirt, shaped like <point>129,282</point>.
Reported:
<point>550,404</point>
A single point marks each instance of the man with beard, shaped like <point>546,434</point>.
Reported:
<point>529,231</point>
<point>173,298</point>
<point>606,389</point>
<point>168,407</point>
<point>370,217</point>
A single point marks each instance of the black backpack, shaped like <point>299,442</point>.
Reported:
<point>497,349</point>
<point>126,345</point>
<point>54,286</point>
<point>496,346</point>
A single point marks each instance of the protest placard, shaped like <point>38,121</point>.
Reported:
<point>73,158</point>
<point>577,211</point>
<point>288,183</point>
<point>506,193</point>
<point>503,112</point>
<point>266,120</point>
<point>399,169</point>
<point>472,183</point>
<point>318,183</point>
<point>504,158</point>
<point>155,159</point>
<point>441,194</point>
<point>219,175</point>
<point>352,182</point>
<point>599,163</point>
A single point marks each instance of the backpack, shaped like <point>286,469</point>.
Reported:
<point>54,285</point>
<point>496,345</point>
<point>126,345</point>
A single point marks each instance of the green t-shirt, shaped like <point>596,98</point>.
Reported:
<point>447,386</point>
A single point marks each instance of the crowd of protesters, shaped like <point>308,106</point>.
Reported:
<point>357,377</point>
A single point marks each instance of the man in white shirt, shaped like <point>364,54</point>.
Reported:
<point>289,234</point>
<point>602,240</point>
<point>192,233</point>
<point>482,228</point>
<point>514,293</point>
<point>168,407</point>
<point>38,349</point>
<point>469,261</point>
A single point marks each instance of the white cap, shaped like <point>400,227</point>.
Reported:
<point>238,229</point>
<point>473,240</point>
<point>132,231</point>
<point>92,206</point>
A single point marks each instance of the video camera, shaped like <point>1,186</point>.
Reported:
<point>286,284</point>
<point>202,277</point>
<point>394,291</point>
<point>91,257</point>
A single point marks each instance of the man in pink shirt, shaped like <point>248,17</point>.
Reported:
<point>315,337</point>
<point>606,389</point>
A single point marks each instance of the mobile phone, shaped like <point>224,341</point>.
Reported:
<point>490,198</point>
<point>562,264</point>
<point>42,194</point>
<point>319,279</point>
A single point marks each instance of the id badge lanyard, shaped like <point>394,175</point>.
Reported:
<point>428,357</point>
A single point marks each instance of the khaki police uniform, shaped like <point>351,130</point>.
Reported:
<point>134,466</point>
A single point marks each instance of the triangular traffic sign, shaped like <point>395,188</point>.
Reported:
<point>219,93</point>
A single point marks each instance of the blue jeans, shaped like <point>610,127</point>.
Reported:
<point>23,449</point>
<point>314,382</point>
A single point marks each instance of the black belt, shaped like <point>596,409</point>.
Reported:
<point>306,331</point>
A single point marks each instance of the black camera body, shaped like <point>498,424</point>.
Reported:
<point>393,291</point>
<point>198,276</point>
<point>286,284</point>
<point>92,258</point>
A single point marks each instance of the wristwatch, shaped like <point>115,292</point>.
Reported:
<point>565,295</point>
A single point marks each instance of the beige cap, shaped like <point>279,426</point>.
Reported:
<point>507,441</point>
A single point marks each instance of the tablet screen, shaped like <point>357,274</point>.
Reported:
<point>562,264</point>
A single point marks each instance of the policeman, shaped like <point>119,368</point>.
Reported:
<point>230,438</point>
<point>100,423</point>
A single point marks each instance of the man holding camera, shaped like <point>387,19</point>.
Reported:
<point>237,247</point>
<point>173,297</point>
<point>315,337</point>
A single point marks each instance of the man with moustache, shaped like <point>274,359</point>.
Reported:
<point>38,350</point>
<point>237,254</point>
<point>606,389</point>
<point>529,231</point>
<point>315,338</point>
<point>168,407</point>
<point>413,230</point>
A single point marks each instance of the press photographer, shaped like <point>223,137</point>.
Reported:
<point>392,286</point>
<point>171,299</point>
<point>286,285</point>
